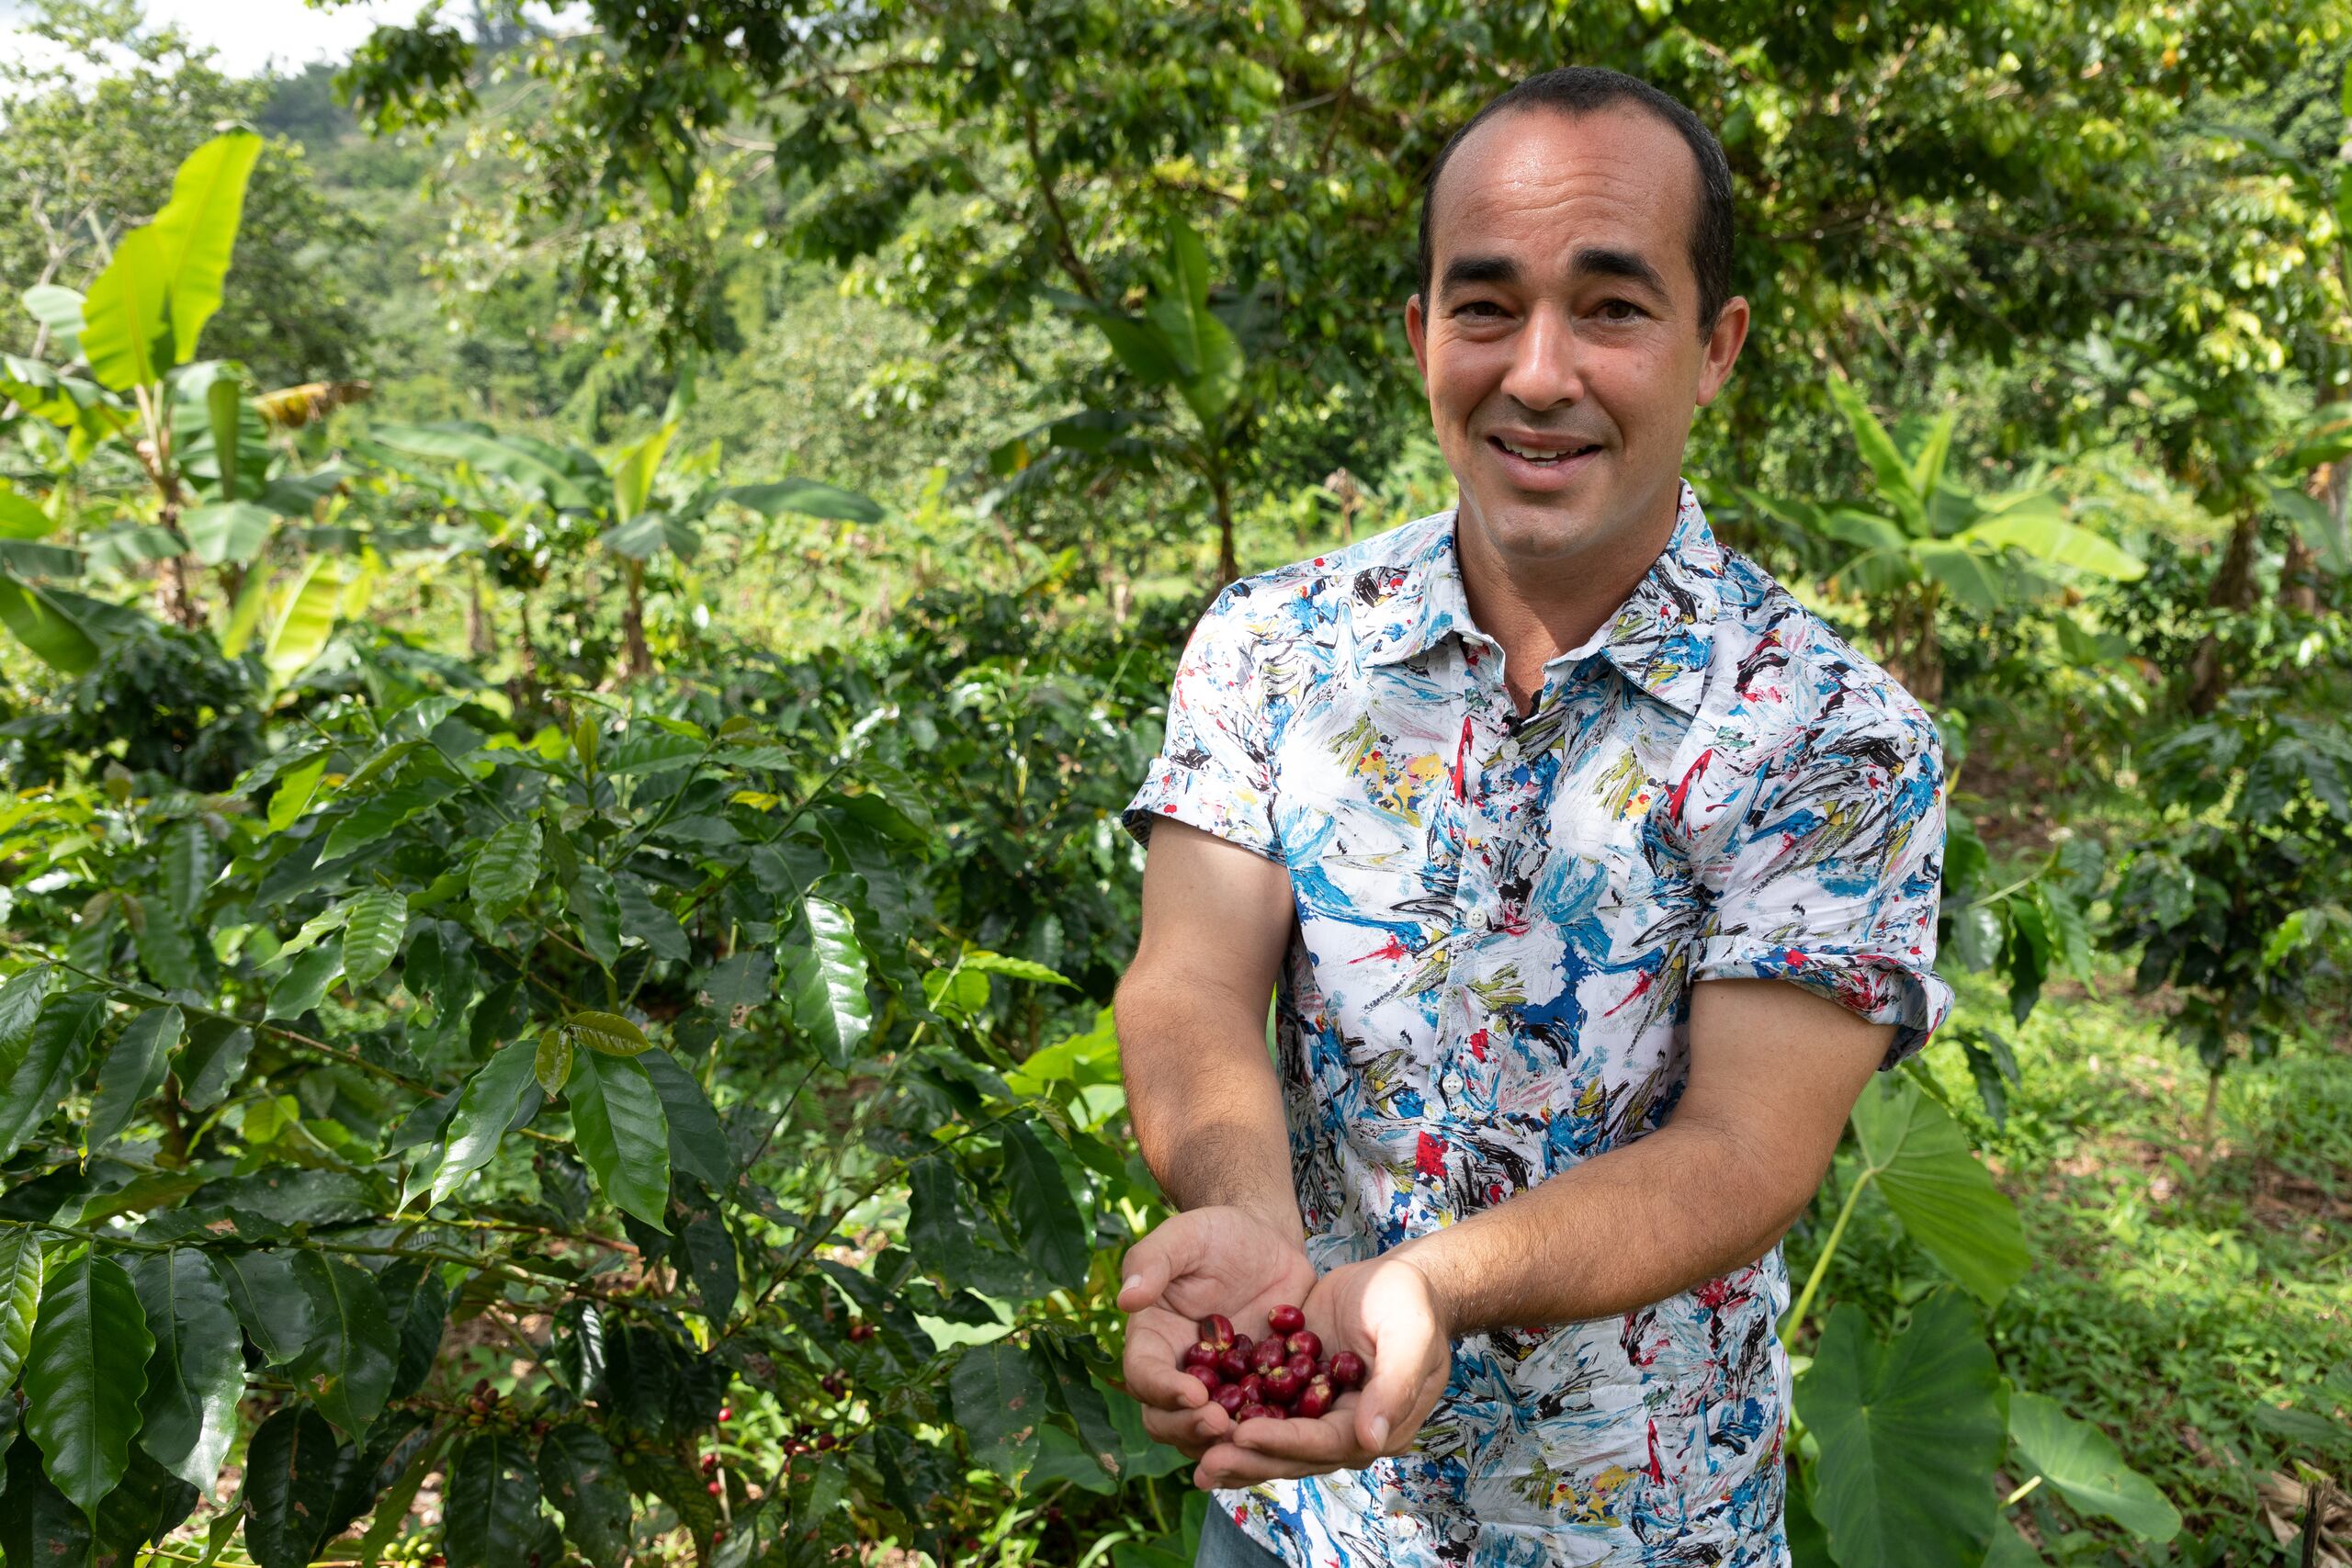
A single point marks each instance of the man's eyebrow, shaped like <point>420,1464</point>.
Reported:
<point>1605,261</point>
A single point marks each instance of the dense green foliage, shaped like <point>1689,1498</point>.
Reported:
<point>559,904</point>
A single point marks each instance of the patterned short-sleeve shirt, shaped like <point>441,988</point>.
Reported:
<point>1500,920</point>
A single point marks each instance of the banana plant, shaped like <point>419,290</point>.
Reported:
<point>1177,343</point>
<point>1926,541</point>
<point>127,391</point>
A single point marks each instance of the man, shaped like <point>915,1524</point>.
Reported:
<point>1597,878</point>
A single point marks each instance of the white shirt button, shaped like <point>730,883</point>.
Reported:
<point>1477,919</point>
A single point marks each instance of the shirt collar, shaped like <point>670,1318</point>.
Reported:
<point>1660,638</point>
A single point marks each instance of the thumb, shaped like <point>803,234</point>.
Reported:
<point>1387,1396</point>
<point>1167,1253</point>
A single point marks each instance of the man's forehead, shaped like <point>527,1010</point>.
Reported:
<point>1620,167</point>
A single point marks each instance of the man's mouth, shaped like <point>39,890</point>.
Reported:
<point>1546,455</point>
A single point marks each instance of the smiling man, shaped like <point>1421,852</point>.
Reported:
<point>1592,876</point>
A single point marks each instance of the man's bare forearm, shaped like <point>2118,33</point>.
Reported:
<point>1206,1108</point>
<point>1635,1225</point>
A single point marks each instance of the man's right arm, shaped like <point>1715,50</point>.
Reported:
<point>1191,1015</point>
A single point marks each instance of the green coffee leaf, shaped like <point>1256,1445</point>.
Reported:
<point>294,1467</point>
<point>648,922</point>
<point>304,985</point>
<point>274,1307</point>
<point>20,1276</point>
<point>347,1364</point>
<point>999,1405</point>
<point>584,1481</point>
<point>698,1142</point>
<point>132,1073</point>
<point>21,995</point>
<point>1052,1234</point>
<point>551,1063</point>
<point>505,869</point>
<point>197,1372</point>
<point>596,914</point>
<point>618,1124</point>
<point>55,1051</point>
<point>824,982</point>
<point>491,1514</point>
<point>372,932</point>
<point>167,951</point>
<point>392,1508</point>
<point>212,1060</point>
<point>485,1109</point>
<point>606,1031</point>
<point>294,794</point>
<point>85,1373</point>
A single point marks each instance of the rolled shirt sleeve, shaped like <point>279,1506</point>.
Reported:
<point>1215,770</point>
<point>1829,877</point>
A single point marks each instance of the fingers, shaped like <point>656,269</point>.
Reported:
<point>1323,1442</point>
<point>1193,1431</point>
<point>1230,1464</point>
<point>1387,1399</point>
<point>1150,1366</point>
<point>1170,1251</point>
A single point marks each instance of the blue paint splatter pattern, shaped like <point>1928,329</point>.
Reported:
<point>1500,920</point>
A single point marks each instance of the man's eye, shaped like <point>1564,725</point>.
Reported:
<point>1609,309</point>
<point>1477,305</point>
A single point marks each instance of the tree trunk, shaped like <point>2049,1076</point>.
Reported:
<point>1228,568</point>
<point>480,641</point>
<point>640,659</point>
<point>2233,590</point>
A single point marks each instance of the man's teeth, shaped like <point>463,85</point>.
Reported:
<point>1536,457</point>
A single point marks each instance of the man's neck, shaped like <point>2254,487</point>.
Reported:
<point>1539,610</point>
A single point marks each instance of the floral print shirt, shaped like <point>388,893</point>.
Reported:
<point>1500,920</point>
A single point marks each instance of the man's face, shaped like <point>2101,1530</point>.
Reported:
<point>1566,323</point>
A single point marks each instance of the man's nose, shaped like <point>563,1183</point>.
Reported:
<point>1545,360</point>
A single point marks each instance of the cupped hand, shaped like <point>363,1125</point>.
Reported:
<point>1228,1260</point>
<point>1384,1310</point>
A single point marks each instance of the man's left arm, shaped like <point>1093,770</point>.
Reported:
<point>1774,1072</point>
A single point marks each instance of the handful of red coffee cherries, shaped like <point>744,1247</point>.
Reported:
<point>1286,1374</point>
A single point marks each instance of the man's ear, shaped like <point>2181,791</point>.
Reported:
<point>1723,341</point>
<point>1417,333</point>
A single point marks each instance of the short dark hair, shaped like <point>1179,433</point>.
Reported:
<point>1575,90</point>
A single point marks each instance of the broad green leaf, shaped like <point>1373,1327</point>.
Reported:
<point>305,618</point>
<point>805,498</point>
<point>391,1514</point>
<point>485,1110</point>
<point>54,1054</point>
<point>38,1523</point>
<point>227,532</point>
<point>59,309</point>
<point>551,1063</point>
<point>372,932</point>
<point>824,981</point>
<point>1944,1197</point>
<point>2084,1463</point>
<point>698,1142</point>
<point>21,995</point>
<point>1014,968</point>
<point>1878,450</point>
<point>43,623</point>
<point>998,1405</point>
<point>622,1133</point>
<point>1927,466</point>
<point>20,1276</point>
<point>584,1481</point>
<point>1054,1235</point>
<point>348,1365</point>
<point>633,476</point>
<point>21,519</point>
<point>223,402</point>
<point>942,1229</point>
<point>212,1060</point>
<point>147,1505</point>
<point>197,1372</point>
<point>270,1302</point>
<point>1910,1434</point>
<point>199,230</point>
<point>710,1257</point>
<point>303,984</point>
<point>383,814</point>
<point>293,795</point>
<point>606,1031</point>
<point>596,914</point>
<point>505,869</point>
<point>132,1073</point>
<point>127,326</point>
<point>2046,536</point>
<point>294,1467</point>
<point>417,1300</point>
<point>1962,571</point>
<point>491,1514</point>
<point>188,867</point>
<point>167,949</point>
<point>650,923</point>
<point>85,1373</point>
<point>525,464</point>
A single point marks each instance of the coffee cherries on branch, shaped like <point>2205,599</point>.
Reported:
<point>1286,1374</point>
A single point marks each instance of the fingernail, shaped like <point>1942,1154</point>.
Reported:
<point>1131,1281</point>
<point>1379,1431</point>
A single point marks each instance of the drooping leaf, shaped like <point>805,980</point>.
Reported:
<point>486,1109</point>
<point>533,469</point>
<point>226,533</point>
<point>44,620</point>
<point>417,1301</point>
<point>305,618</point>
<point>999,1405</point>
<point>1945,1198</point>
<point>21,1280</point>
<point>1052,1232</point>
<point>392,1508</point>
<point>212,1060</point>
<point>505,869</point>
<point>166,949</point>
<point>824,981</point>
<point>21,995</point>
<point>294,1467</point>
<point>698,1142</point>
<point>348,1365</point>
<point>132,1073</point>
<point>584,1481</point>
<point>607,1032</point>
<point>54,1054</point>
<point>304,983</point>
<point>596,914</point>
<point>372,934</point>
<point>85,1373</point>
<point>551,1062</point>
<point>491,1513</point>
<point>622,1133</point>
<point>197,1372</point>
<point>1910,1433</point>
<point>270,1302</point>
<point>148,1504</point>
<point>806,498</point>
<point>2085,1465</point>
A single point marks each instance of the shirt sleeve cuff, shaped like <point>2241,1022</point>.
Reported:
<point>1239,816</point>
<point>1869,984</point>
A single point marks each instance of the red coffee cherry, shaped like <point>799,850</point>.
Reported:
<point>826,1440</point>
<point>1253,1389</point>
<point>1216,1329</point>
<point>1284,1384</point>
<point>726,1413</point>
<point>1231,1399</point>
<point>717,1488</point>
<point>861,1331</point>
<point>1346,1370</point>
<point>1209,1379</point>
<point>1200,1353</point>
<point>1234,1365</point>
<point>1285,1320</point>
<point>1315,1400</point>
<point>1303,1365</point>
<point>1305,1343</point>
<point>1267,1354</point>
<point>1252,1412</point>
